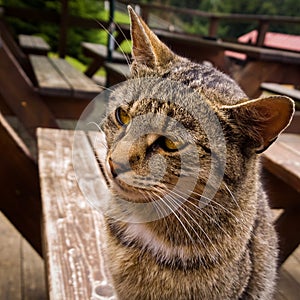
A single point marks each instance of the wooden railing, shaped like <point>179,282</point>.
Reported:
<point>65,20</point>
<point>263,21</point>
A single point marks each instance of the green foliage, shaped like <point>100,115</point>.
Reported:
<point>91,9</point>
<point>231,29</point>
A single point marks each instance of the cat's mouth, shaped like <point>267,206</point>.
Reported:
<point>129,192</point>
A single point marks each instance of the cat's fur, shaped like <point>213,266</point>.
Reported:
<point>230,249</point>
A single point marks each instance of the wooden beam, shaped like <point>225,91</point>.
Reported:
<point>262,31</point>
<point>213,27</point>
<point>63,32</point>
<point>20,197</point>
<point>20,95</point>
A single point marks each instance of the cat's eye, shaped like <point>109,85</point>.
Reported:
<point>170,145</point>
<point>122,116</point>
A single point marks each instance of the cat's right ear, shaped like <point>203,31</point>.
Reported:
<point>147,49</point>
<point>262,120</point>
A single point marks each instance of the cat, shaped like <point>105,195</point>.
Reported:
<point>188,217</point>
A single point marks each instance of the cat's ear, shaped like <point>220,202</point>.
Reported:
<point>262,120</point>
<point>147,49</point>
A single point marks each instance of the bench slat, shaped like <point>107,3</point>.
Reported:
<point>73,231</point>
<point>98,50</point>
<point>33,44</point>
<point>280,89</point>
<point>116,73</point>
<point>50,81</point>
<point>283,159</point>
<point>81,85</point>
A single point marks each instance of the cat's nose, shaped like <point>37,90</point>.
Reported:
<point>116,168</point>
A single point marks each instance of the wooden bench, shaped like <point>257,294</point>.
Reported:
<point>72,229</point>
<point>98,53</point>
<point>116,73</point>
<point>33,44</point>
<point>282,179</point>
<point>65,90</point>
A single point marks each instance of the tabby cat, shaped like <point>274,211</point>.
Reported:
<point>188,218</point>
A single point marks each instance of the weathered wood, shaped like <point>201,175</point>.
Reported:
<point>282,159</point>
<point>20,197</point>
<point>98,53</point>
<point>281,194</point>
<point>116,73</point>
<point>33,274</point>
<point>256,72</point>
<point>33,44</point>
<point>20,96</point>
<point>281,90</point>
<point>66,107</point>
<point>283,186</point>
<point>50,81</point>
<point>56,77</point>
<point>288,228</point>
<point>73,231</point>
<point>10,262</point>
<point>81,85</point>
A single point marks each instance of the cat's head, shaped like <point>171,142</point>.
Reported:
<point>181,123</point>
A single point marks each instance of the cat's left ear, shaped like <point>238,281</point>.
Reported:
<point>263,119</point>
<point>147,49</point>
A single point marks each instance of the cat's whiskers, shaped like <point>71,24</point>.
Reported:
<point>119,46</point>
<point>169,206</point>
<point>232,196</point>
<point>212,202</point>
<point>189,217</point>
<point>195,212</point>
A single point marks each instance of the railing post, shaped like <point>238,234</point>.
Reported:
<point>111,29</point>
<point>213,26</point>
<point>63,32</point>
<point>262,30</point>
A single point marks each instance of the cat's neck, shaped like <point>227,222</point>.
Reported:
<point>190,235</point>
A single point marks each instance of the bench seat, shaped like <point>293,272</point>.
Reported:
<point>56,77</point>
<point>116,73</point>
<point>98,53</point>
<point>31,44</point>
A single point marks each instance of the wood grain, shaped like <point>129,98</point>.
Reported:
<point>10,262</point>
<point>20,96</point>
<point>33,44</point>
<point>20,197</point>
<point>81,85</point>
<point>283,159</point>
<point>33,274</point>
<point>49,79</point>
<point>73,231</point>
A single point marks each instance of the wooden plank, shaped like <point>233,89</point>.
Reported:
<point>282,159</point>
<point>33,274</point>
<point>23,99</point>
<point>81,85</point>
<point>100,51</point>
<point>116,73</point>
<point>281,90</point>
<point>10,262</point>
<point>20,198</point>
<point>33,44</point>
<point>99,54</point>
<point>287,286</point>
<point>50,81</point>
<point>288,228</point>
<point>73,231</point>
